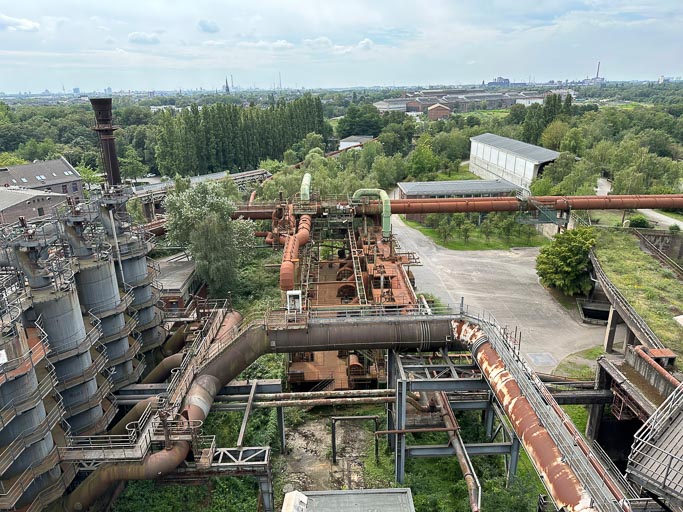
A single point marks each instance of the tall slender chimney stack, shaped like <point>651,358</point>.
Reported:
<point>105,130</point>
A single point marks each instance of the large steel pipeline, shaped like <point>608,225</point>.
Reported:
<point>290,254</point>
<point>563,484</point>
<point>352,334</point>
<point>492,204</point>
<point>163,370</point>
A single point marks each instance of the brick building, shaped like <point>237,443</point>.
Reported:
<point>20,202</point>
<point>438,111</point>
<point>57,176</point>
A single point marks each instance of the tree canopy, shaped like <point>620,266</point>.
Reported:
<point>564,263</point>
<point>199,218</point>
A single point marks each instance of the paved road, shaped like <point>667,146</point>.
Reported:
<point>504,283</point>
<point>663,221</point>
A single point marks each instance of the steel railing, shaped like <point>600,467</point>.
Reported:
<point>633,318</point>
<point>560,427</point>
<point>649,460</point>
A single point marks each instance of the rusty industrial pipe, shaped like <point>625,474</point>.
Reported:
<point>642,353</point>
<point>354,334</point>
<point>163,370</point>
<point>290,254</point>
<point>563,484</point>
<point>133,415</point>
<point>175,343</point>
<point>473,490</point>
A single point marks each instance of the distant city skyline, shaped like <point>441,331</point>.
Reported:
<point>168,45</point>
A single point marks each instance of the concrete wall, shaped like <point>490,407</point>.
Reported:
<point>670,244</point>
<point>649,373</point>
<point>31,208</point>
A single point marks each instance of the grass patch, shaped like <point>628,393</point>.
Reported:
<point>673,215</point>
<point>578,414</point>
<point>478,242</point>
<point>653,290</point>
<point>567,302</point>
<point>575,370</point>
<point>577,365</point>
<point>463,174</point>
<point>612,218</point>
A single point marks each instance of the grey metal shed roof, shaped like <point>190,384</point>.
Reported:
<point>13,196</point>
<point>457,188</point>
<point>360,500</point>
<point>530,152</point>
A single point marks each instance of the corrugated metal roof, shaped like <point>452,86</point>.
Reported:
<point>530,152</point>
<point>457,188</point>
<point>357,138</point>
<point>360,500</point>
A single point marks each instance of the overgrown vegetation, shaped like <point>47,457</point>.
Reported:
<point>564,263</point>
<point>461,232</point>
<point>653,290</point>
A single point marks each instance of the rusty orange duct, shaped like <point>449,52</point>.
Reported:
<point>562,482</point>
<point>642,352</point>
<point>290,254</point>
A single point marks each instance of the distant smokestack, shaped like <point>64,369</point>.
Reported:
<point>105,130</point>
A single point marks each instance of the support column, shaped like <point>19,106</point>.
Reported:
<point>489,416</point>
<point>391,409</point>
<point>265,485</point>
<point>611,329</point>
<point>630,339</point>
<point>334,441</point>
<point>514,459</point>
<point>596,411</point>
<point>281,429</point>
<point>400,450</point>
<point>595,415</point>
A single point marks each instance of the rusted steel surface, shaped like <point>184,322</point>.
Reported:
<point>290,254</point>
<point>562,482</point>
<point>473,489</point>
<point>643,354</point>
<point>163,370</point>
<point>105,130</point>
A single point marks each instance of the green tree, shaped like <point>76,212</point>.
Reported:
<point>466,230</point>
<point>7,158</point>
<point>199,218</point>
<point>422,160</point>
<point>486,228</point>
<point>516,114</point>
<point>553,134</point>
<point>564,263</point>
<point>533,125</point>
<point>131,166</point>
<point>573,141</point>
<point>89,176</point>
<point>445,229</point>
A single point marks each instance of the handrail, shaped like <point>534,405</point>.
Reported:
<point>562,431</point>
<point>29,436</point>
<point>28,400</point>
<point>651,338</point>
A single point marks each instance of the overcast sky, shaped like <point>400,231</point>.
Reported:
<point>171,44</point>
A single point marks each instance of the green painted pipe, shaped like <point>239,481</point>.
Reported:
<point>386,206</point>
<point>305,192</point>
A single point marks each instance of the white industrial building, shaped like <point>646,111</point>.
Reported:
<point>495,157</point>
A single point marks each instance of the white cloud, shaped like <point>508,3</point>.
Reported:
<point>365,44</point>
<point>18,24</point>
<point>207,26</point>
<point>279,45</point>
<point>215,43</point>
<point>321,43</point>
<point>143,38</point>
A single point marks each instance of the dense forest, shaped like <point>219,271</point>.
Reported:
<point>637,145</point>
